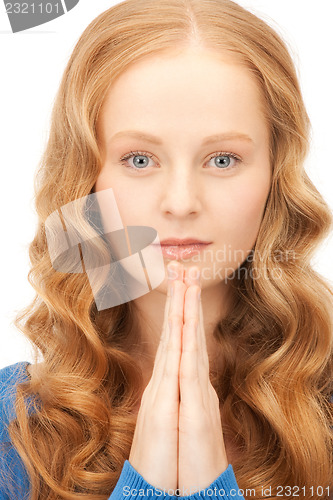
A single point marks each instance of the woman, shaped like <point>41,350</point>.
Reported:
<point>229,391</point>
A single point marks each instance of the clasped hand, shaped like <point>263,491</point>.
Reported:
<point>178,440</point>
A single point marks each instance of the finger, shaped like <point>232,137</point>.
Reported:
<point>177,270</point>
<point>190,386</point>
<point>174,271</point>
<point>192,276</point>
<point>168,384</point>
<point>176,310</point>
<point>203,342</point>
<point>172,274</point>
<point>203,360</point>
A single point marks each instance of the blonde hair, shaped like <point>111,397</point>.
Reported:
<point>277,341</point>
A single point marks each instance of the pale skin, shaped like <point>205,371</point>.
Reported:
<point>179,410</point>
<point>182,99</point>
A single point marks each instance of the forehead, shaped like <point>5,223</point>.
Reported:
<point>192,89</point>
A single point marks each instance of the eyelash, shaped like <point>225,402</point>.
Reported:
<point>126,157</point>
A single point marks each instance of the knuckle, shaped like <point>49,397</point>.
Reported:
<point>171,366</point>
<point>175,320</point>
<point>190,346</point>
<point>189,376</point>
<point>198,425</point>
<point>172,347</point>
<point>179,285</point>
<point>192,321</point>
<point>201,427</point>
<point>155,421</point>
<point>163,343</point>
<point>169,373</point>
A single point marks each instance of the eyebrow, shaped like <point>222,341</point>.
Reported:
<point>208,140</point>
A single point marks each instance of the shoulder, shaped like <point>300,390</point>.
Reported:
<point>10,373</point>
<point>10,376</point>
<point>14,482</point>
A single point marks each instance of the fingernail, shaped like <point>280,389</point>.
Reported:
<point>169,273</point>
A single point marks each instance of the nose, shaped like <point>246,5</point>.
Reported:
<point>181,192</point>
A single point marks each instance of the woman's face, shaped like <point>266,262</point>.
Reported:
<point>196,121</point>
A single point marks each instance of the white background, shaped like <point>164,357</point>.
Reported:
<point>32,63</point>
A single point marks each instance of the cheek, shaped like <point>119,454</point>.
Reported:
<point>250,207</point>
<point>128,202</point>
<point>244,208</point>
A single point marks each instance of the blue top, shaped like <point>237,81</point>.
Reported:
<point>130,484</point>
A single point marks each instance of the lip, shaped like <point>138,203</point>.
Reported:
<point>184,241</point>
<point>180,250</point>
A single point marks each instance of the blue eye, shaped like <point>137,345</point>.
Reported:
<point>139,160</point>
<point>223,161</point>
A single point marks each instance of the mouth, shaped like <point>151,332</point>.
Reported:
<point>182,250</point>
<point>183,241</point>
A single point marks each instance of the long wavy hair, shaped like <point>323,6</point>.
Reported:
<point>277,342</point>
